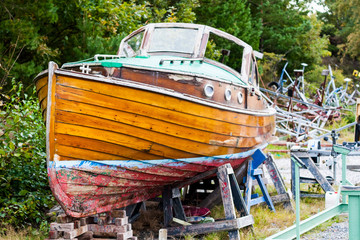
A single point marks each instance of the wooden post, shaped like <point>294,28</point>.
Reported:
<point>214,198</point>
<point>167,205</point>
<point>177,205</point>
<point>163,234</point>
<point>303,155</point>
<point>278,182</point>
<point>226,194</point>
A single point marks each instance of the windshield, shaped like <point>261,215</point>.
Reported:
<point>181,40</point>
<point>132,46</point>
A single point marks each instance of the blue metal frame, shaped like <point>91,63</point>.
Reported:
<point>256,174</point>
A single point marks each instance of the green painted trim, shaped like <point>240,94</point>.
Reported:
<point>341,150</point>
<point>310,223</point>
<point>111,64</point>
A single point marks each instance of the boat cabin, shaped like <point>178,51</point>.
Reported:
<point>194,42</point>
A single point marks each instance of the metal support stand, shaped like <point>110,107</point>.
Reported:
<point>344,153</point>
<point>256,174</point>
<point>352,207</point>
<point>303,156</point>
<point>353,194</point>
<point>231,197</point>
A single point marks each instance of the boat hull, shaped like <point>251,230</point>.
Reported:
<point>88,187</point>
<point>115,142</point>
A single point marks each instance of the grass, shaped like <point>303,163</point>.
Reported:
<point>24,234</point>
<point>267,222</point>
<point>278,151</point>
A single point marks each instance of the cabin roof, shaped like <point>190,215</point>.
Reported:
<point>197,67</point>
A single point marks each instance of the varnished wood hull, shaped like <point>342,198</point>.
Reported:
<point>114,142</point>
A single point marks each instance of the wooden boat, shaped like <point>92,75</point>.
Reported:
<point>119,127</point>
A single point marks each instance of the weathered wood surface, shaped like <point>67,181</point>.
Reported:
<point>312,168</point>
<point>279,184</point>
<point>204,228</point>
<point>115,140</point>
<point>214,198</point>
<point>113,224</point>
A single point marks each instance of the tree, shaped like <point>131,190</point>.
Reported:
<point>346,14</point>
<point>24,48</point>
<point>233,16</point>
<point>282,23</point>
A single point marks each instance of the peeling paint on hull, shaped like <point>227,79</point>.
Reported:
<point>86,187</point>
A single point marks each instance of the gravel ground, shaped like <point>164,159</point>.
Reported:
<point>337,230</point>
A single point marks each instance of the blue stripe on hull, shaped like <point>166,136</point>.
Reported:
<point>87,164</point>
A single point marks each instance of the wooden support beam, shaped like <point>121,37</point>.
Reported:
<point>279,184</point>
<point>301,155</point>
<point>214,198</point>
<point>204,228</point>
<point>226,194</point>
<point>167,205</point>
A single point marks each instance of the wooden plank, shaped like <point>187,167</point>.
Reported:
<point>80,153</point>
<point>163,234</point>
<point>167,205</point>
<point>205,228</point>
<point>193,121</point>
<point>43,93</point>
<point>279,184</point>
<point>96,228</point>
<point>124,236</point>
<point>186,84</point>
<point>280,198</point>
<point>226,194</point>
<point>106,147</point>
<point>40,83</point>
<point>50,113</point>
<point>76,232</point>
<point>121,221</point>
<point>164,101</point>
<point>325,185</point>
<point>112,177</point>
<point>122,140</point>
<point>62,226</point>
<point>195,178</point>
<point>237,197</point>
<point>249,183</point>
<point>148,122</point>
<point>100,127</point>
<point>214,198</point>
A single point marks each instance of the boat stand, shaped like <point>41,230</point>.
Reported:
<point>255,173</point>
<point>231,197</point>
<point>302,155</point>
<point>282,195</point>
<point>350,203</point>
<point>106,226</point>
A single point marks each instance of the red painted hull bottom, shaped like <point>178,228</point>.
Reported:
<point>84,188</point>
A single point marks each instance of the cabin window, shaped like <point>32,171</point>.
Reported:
<point>179,40</point>
<point>224,51</point>
<point>133,45</point>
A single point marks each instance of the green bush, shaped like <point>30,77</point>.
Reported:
<point>25,195</point>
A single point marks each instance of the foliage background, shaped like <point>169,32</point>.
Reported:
<point>33,33</point>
